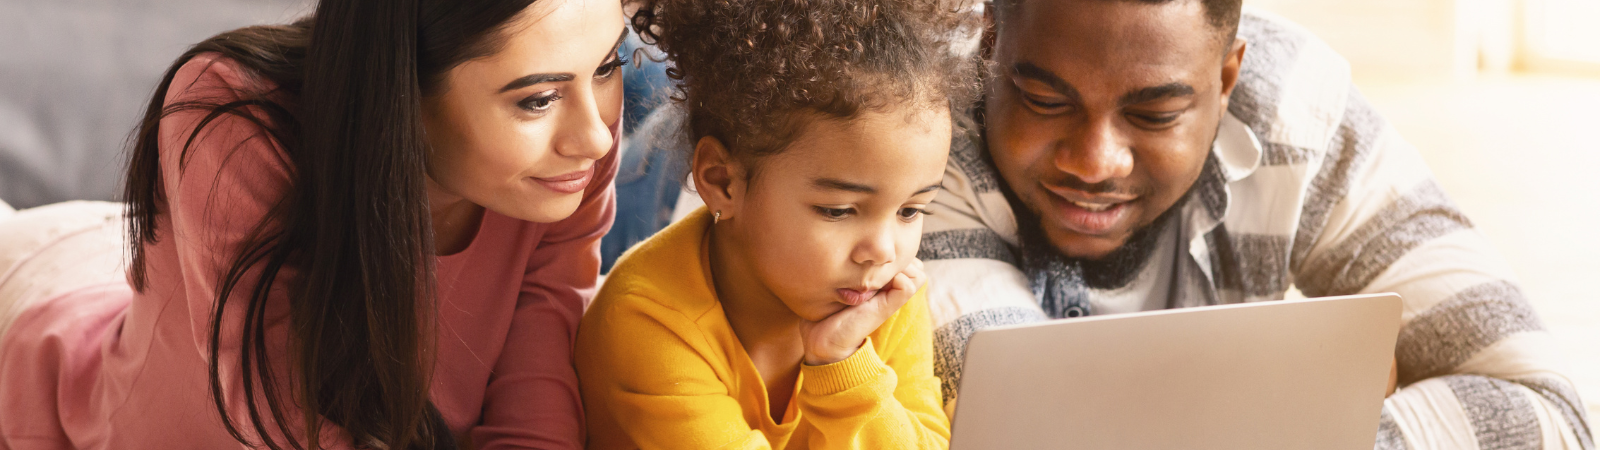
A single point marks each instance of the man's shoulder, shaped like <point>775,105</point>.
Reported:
<point>1293,88</point>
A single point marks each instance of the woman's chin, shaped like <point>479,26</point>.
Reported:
<point>544,210</point>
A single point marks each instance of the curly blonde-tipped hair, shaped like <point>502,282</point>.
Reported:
<point>750,72</point>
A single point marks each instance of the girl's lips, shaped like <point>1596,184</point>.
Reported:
<point>570,183</point>
<point>855,297</point>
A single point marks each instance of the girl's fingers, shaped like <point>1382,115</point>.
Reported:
<point>903,289</point>
<point>915,272</point>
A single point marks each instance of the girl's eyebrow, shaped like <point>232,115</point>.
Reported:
<point>841,185</point>
<point>537,78</point>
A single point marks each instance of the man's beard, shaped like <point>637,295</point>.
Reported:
<point>1112,271</point>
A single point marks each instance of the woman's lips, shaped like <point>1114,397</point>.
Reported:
<point>1087,215</point>
<point>855,297</point>
<point>570,183</point>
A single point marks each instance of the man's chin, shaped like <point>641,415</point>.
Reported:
<point>1089,248</point>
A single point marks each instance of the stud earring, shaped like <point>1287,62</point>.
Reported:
<point>716,217</point>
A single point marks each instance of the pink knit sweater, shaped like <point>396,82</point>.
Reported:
<point>107,367</point>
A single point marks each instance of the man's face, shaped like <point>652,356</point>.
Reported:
<point>1101,113</point>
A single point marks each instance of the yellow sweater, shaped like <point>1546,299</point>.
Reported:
<point>660,368</point>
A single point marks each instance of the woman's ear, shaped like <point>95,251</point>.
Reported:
<point>718,177</point>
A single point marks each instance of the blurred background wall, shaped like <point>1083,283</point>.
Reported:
<point>1502,97</point>
<point>75,76</point>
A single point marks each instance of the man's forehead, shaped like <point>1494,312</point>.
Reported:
<point>1128,44</point>
<point>1106,29</point>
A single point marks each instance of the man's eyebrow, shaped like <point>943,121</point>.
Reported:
<point>930,188</point>
<point>841,185</point>
<point>537,78</point>
<point>1033,72</point>
<point>1173,89</point>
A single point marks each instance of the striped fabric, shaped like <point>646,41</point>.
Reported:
<point>1305,188</point>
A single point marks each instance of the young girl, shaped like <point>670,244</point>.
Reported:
<point>372,228</point>
<point>787,313</point>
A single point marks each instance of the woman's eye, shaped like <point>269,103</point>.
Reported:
<point>611,68</point>
<point>540,102</point>
<point>911,213</point>
<point>834,213</point>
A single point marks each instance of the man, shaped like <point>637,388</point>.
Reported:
<point>1145,154</point>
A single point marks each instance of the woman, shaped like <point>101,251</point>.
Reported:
<point>376,227</point>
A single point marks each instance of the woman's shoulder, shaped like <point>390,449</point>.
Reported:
<point>212,76</point>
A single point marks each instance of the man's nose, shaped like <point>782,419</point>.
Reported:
<point>1098,152</point>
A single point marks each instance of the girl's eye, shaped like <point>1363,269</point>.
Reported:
<point>911,213</point>
<point>540,102</point>
<point>834,213</point>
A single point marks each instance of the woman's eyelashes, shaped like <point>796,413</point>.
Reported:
<point>611,68</point>
<point>540,102</point>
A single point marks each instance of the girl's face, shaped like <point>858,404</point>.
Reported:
<point>831,219</point>
<point>519,131</point>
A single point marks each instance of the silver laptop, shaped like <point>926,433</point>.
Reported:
<point>1299,374</point>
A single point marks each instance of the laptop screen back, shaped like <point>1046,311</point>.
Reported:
<point>1307,374</point>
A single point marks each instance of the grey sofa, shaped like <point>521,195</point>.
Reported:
<point>75,75</point>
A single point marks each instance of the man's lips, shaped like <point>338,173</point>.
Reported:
<point>855,297</point>
<point>567,183</point>
<point>1089,214</point>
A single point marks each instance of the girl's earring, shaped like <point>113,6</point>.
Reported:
<point>716,217</point>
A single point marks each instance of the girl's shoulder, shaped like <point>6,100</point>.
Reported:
<point>666,269</point>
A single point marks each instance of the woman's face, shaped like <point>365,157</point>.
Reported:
<point>830,220</point>
<point>519,131</point>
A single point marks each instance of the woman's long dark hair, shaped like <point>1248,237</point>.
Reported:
<point>355,222</point>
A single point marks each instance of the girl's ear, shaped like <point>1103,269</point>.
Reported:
<point>718,177</point>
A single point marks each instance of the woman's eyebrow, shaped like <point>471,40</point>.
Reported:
<point>620,38</point>
<point>537,78</point>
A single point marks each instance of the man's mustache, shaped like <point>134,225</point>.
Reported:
<point>1114,186</point>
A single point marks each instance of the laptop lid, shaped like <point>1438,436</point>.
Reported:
<point>1302,374</point>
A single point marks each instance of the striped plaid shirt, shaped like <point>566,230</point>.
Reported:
<point>1307,188</point>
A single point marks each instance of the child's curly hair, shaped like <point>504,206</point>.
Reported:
<point>750,71</point>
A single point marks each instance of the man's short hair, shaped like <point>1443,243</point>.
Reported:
<point>1223,15</point>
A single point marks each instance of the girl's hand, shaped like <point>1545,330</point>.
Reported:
<point>838,336</point>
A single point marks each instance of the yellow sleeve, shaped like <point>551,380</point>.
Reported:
<point>644,375</point>
<point>885,395</point>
